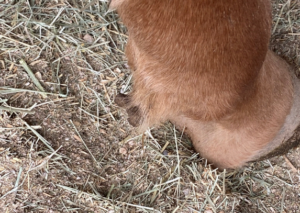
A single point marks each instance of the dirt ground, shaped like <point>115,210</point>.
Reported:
<point>66,147</point>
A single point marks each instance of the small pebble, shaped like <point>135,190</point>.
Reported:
<point>123,151</point>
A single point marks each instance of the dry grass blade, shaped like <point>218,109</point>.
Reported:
<point>7,90</point>
<point>106,199</point>
<point>41,138</point>
<point>290,164</point>
<point>14,190</point>
<point>14,109</point>
<point>32,76</point>
<point>84,143</point>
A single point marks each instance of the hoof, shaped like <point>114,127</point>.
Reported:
<point>134,114</point>
<point>122,100</point>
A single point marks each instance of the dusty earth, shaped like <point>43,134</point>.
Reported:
<point>71,149</point>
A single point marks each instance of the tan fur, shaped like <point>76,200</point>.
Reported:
<point>239,138</point>
<point>114,4</point>
<point>206,65</point>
